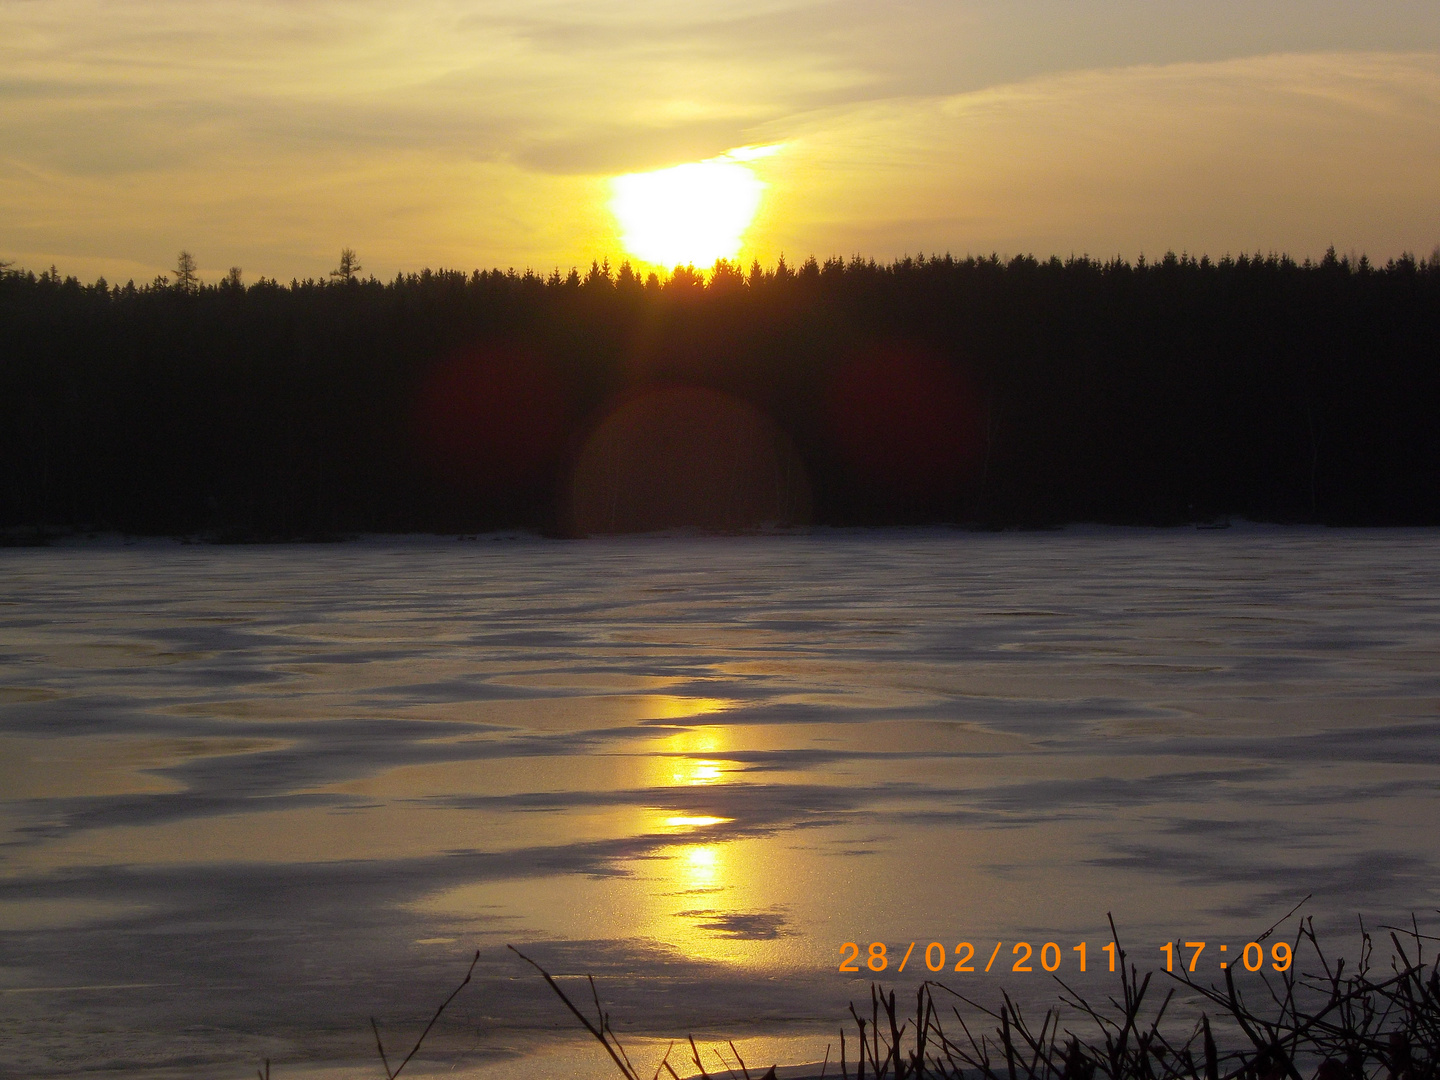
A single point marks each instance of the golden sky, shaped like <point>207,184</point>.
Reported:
<point>270,133</point>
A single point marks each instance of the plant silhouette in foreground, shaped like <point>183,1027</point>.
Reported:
<point>1331,1024</point>
<point>1327,1023</point>
<point>380,1047</point>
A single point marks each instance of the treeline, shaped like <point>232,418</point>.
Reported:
<point>926,390</point>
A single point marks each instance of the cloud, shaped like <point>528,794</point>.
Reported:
<point>268,134</point>
<point>1237,155</point>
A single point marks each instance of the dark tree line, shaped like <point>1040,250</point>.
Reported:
<point>931,389</point>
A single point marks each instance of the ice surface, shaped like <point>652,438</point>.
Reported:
<point>255,795</point>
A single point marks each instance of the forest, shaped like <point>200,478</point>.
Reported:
<point>977,391</point>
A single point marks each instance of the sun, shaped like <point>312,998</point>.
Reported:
<point>689,214</point>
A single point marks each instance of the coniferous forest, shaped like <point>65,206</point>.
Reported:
<point>995,393</point>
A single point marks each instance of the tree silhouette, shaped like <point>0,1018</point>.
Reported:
<point>1019,392</point>
<point>185,278</point>
<point>349,265</point>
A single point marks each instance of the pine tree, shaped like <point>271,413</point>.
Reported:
<point>349,265</point>
<point>186,279</point>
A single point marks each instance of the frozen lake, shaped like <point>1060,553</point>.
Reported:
<point>253,796</point>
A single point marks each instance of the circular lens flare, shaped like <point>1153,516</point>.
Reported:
<point>674,457</point>
<point>689,214</point>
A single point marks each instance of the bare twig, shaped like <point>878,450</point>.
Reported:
<point>599,1032</point>
<point>416,1048</point>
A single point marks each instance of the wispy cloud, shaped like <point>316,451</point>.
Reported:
<point>271,133</point>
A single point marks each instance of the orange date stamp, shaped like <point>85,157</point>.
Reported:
<point>1023,956</point>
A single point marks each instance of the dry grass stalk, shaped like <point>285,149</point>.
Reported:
<point>1355,1026</point>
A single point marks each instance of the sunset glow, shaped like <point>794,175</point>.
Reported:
<point>250,135</point>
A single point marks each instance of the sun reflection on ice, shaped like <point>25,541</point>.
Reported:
<point>698,820</point>
<point>697,773</point>
<point>682,760</point>
<point>714,894</point>
<point>701,865</point>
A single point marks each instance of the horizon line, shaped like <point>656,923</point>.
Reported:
<point>603,267</point>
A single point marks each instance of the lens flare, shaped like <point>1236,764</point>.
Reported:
<point>686,456</point>
<point>694,213</point>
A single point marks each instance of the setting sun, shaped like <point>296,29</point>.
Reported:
<point>694,213</point>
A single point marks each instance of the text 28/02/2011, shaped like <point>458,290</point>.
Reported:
<point>1253,956</point>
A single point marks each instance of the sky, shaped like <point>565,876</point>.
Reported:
<point>269,134</point>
